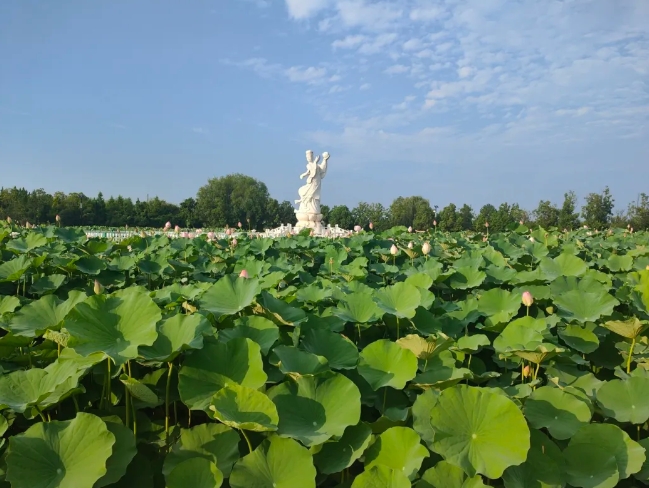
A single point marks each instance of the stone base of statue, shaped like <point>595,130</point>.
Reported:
<point>309,220</point>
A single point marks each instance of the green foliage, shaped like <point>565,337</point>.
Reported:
<point>413,212</point>
<point>598,210</point>
<point>335,363</point>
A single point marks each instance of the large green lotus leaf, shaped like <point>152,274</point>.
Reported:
<point>398,448</point>
<point>629,328</point>
<point>446,475</point>
<point>341,353</point>
<point>276,463</point>
<point>561,413</point>
<point>292,360</point>
<point>617,263</point>
<point>176,334</point>
<point>400,299</point>
<point>259,329</point>
<point>600,455</point>
<point>215,442</point>
<point>313,294</point>
<point>524,334</point>
<point>91,265</point>
<point>473,343</point>
<point>8,304</point>
<point>625,400</point>
<point>563,265</point>
<point>581,338</point>
<point>337,455</point>
<point>426,348</point>
<point>310,408</point>
<point>45,313</point>
<point>498,305</point>
<point>21,389</point>
<point>585,306</point>
<point>124,451</point>
<point>229,295</point>
<point>27,243</point>
<point>115,324</point>
<point>47,284</point>
<point>544,467</point>
<point>385,363</point>
<point>467,277</point>
<point>207,370</point>
<point>283,312</point>
<point>421,410</point>
<point>358,308</point>
<point>643,474</point>
<point>140,391</point>
<point>14,269</point>
<point>243,408</point>
<point>381,477</point>
<point>70,454</point>
<point>196,472</point>
<point>480,431</point>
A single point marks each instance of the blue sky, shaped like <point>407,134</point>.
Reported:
<point>476,101</point>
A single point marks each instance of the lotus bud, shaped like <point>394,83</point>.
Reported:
<point>526,371</point>
<point>97,288</point>
<point>126,226</point>
<point>521,221</point>
<point>425,248</point>
<point>357,228</point>
<point>435,223</point>
<point>411,245</point>
<point>484,239</point>
<point>142,234</point>
<point>58,218</point>
<point>371,226</point>
<point>211,235</point>
<point>631,230</point>
<point>486,224</point>
<point>228,231</point>
<point>532,239</point>
<point>9,220</point>
<point>243,274</point>
<point>234,243</point>
<point>177,229</point>
<point>130,248</point>
<point>410,229</point>
<point>28,225</point>
<point>527,299</point>
<point>167,226</point>
<point>184,234</point>
<point>239,225</point>
<point>394,250</point>
<point>191,235</point>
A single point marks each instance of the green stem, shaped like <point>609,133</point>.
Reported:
<point>108,392</point>
<point>76,403</point>
<point>247,440</point>
<point>127,413</point>
<point>171,367</point>
<point>41,414</point>
<point>628,361</point>
<point>385,395</point>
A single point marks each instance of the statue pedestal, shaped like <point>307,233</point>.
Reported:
<point>309,220</point>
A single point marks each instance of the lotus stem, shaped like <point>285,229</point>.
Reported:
<point>171,366</point>
<point>76,403</point>
<point>247,440</point>
<point>108,392</point>
<point>40,413</point>
<point>127,396</point>
<point>628,360</point>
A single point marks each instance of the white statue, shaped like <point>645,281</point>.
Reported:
<point>308,214</point>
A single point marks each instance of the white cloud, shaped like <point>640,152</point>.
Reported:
<point>377,44</point>
<point>365,86</point>
<point>464,71</point>
<point>297,74</point>
<point>200,130</point>
<point>397,69</point>
<point>371,16</point>
<point>413,44</point>
<point>348,42</point>
<point>304,9</point>
<point>426,14</point>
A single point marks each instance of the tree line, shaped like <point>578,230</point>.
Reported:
<point>237,198</point>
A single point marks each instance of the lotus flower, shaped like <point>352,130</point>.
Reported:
<point>526,371</point>
<point>239,225</point>
<point>177,229</point>
<point>28,225</point>
<point>394,250</point>
<point>143,234</point>
<point>486,224</point>
<point>97,288</point>
<point>9,220</point>
<point>185,235</point>
<point>371,226</point>
<point>243,274</point>
<point>357,228</point>
<point>410,229</point>
<point>228,231</point>
<point>527,299</point>
<point>130,248</point>
<point>211,235</point>
<point>532,239</point>
<point>234,243</point>
<point>167,226</point>
<point>58,218</point>
<point>521,222</point>
<point>435,223</point>
<point>425,248</point>
<point>192,235</point>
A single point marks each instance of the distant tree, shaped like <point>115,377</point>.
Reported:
<point>487,214</point>
<point>466,217</point>
<point>598,210</point>
<point>568,217</point>
<point>364,213</point>
<point>231,199</point>
<point>187,214</point>
<point>546,214</point>
<point>412,211</point>
<point>341,215</point>
<point>449,219</point>
<point>324,210</point>
<point>638,213</point>
<point>279,213</point>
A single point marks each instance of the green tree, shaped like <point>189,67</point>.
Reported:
<point>546,215</point>
<point>187,214</point>
<point>568,217</point>
<point>638,213</point>
<point>279,213</point>
<point>412,211</point>
<point>466,217</point>
<point>598,210</point>
<point>486,215</point>
<point>377,214</point>
<point>341,215</point>
<point>449,219</point>
<point>231,199</point>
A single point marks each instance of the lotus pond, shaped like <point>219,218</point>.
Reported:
<point>301,362</point>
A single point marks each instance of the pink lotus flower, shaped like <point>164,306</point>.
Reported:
<point>435,223</point>
<point>526,371</point>
<point>394,250</point>
<point>371,226</point>
<point>191,235</point>
<point>486,224</point>
<point>177,229</point>
<point>228,231</point>
<point>357,228</point>
<point>239,225</point>
<point>527,299</point>
<point>243,274</point>
<point>167,226</point>
<point>234,243</point>
<point>425,248</point>
<point>185,235</point>
<point>211,235</point>
<point>410,229</point>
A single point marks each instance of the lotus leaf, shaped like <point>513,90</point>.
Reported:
<point>243,408</point>
<point>381,476</point>
<point>258,329</point>
<point>340,352</point>
<point>400,300</point>
<point>398,448</point>
<point>445,475</point>
<point>560,412</point>
<point>385,363</point>
<point>337,455</point>
<point>177,333</point>
<point>195,472</point>
<point>625,400</point>
<point>292,360</point>
<point>358,308</point>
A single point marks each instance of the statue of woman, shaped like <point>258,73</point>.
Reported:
<point>310,193</point>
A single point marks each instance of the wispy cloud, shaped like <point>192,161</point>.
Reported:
<point>200,130</point>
